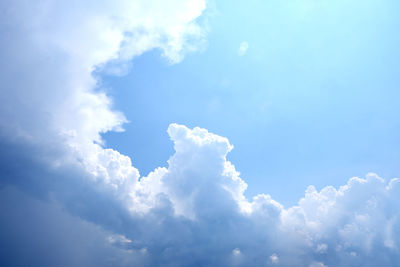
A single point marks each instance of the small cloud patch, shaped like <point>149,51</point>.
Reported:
<point>244,46</point>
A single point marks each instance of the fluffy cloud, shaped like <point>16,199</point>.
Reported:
<point>67,201</point>
<point>50,49</point>
<point>50,97</point>
<point>193,213</point>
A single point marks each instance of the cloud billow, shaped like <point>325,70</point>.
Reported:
<point>58,180</point>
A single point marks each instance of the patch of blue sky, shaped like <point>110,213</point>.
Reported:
<point>313,100</point>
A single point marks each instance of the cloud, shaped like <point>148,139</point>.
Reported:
<point>67,201</point>
<point>194,213</point>
<point>37,233</point>
<point>52,81</point>
<point>317,264</point>
<point>274,258</point>
<point>244,46</point>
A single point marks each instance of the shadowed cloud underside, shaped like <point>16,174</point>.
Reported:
<point>68,201</point>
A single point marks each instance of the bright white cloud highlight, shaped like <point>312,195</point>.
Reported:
<point>192,212</point>
<point>244,46</point>
<point>274,258</point>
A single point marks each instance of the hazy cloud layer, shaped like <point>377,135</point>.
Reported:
<point>67,201</point>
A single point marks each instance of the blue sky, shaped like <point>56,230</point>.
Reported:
<point>314,100</point>
<point>259,133</point>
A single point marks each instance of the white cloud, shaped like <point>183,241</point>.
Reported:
<point>274,258</point>
<point>67,41</point>
<point>197,203</point>
<point>236,252</point>
<point>321,248</point>
<point>317,264</point>
<point>49,52</point>
<point>244,46</point>
<point>192,212</point>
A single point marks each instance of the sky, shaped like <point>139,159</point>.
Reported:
<point>199,133</point>
<point>307,92</point>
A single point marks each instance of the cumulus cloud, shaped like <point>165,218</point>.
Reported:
<point>194,213</point>
<point>67,201</point>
